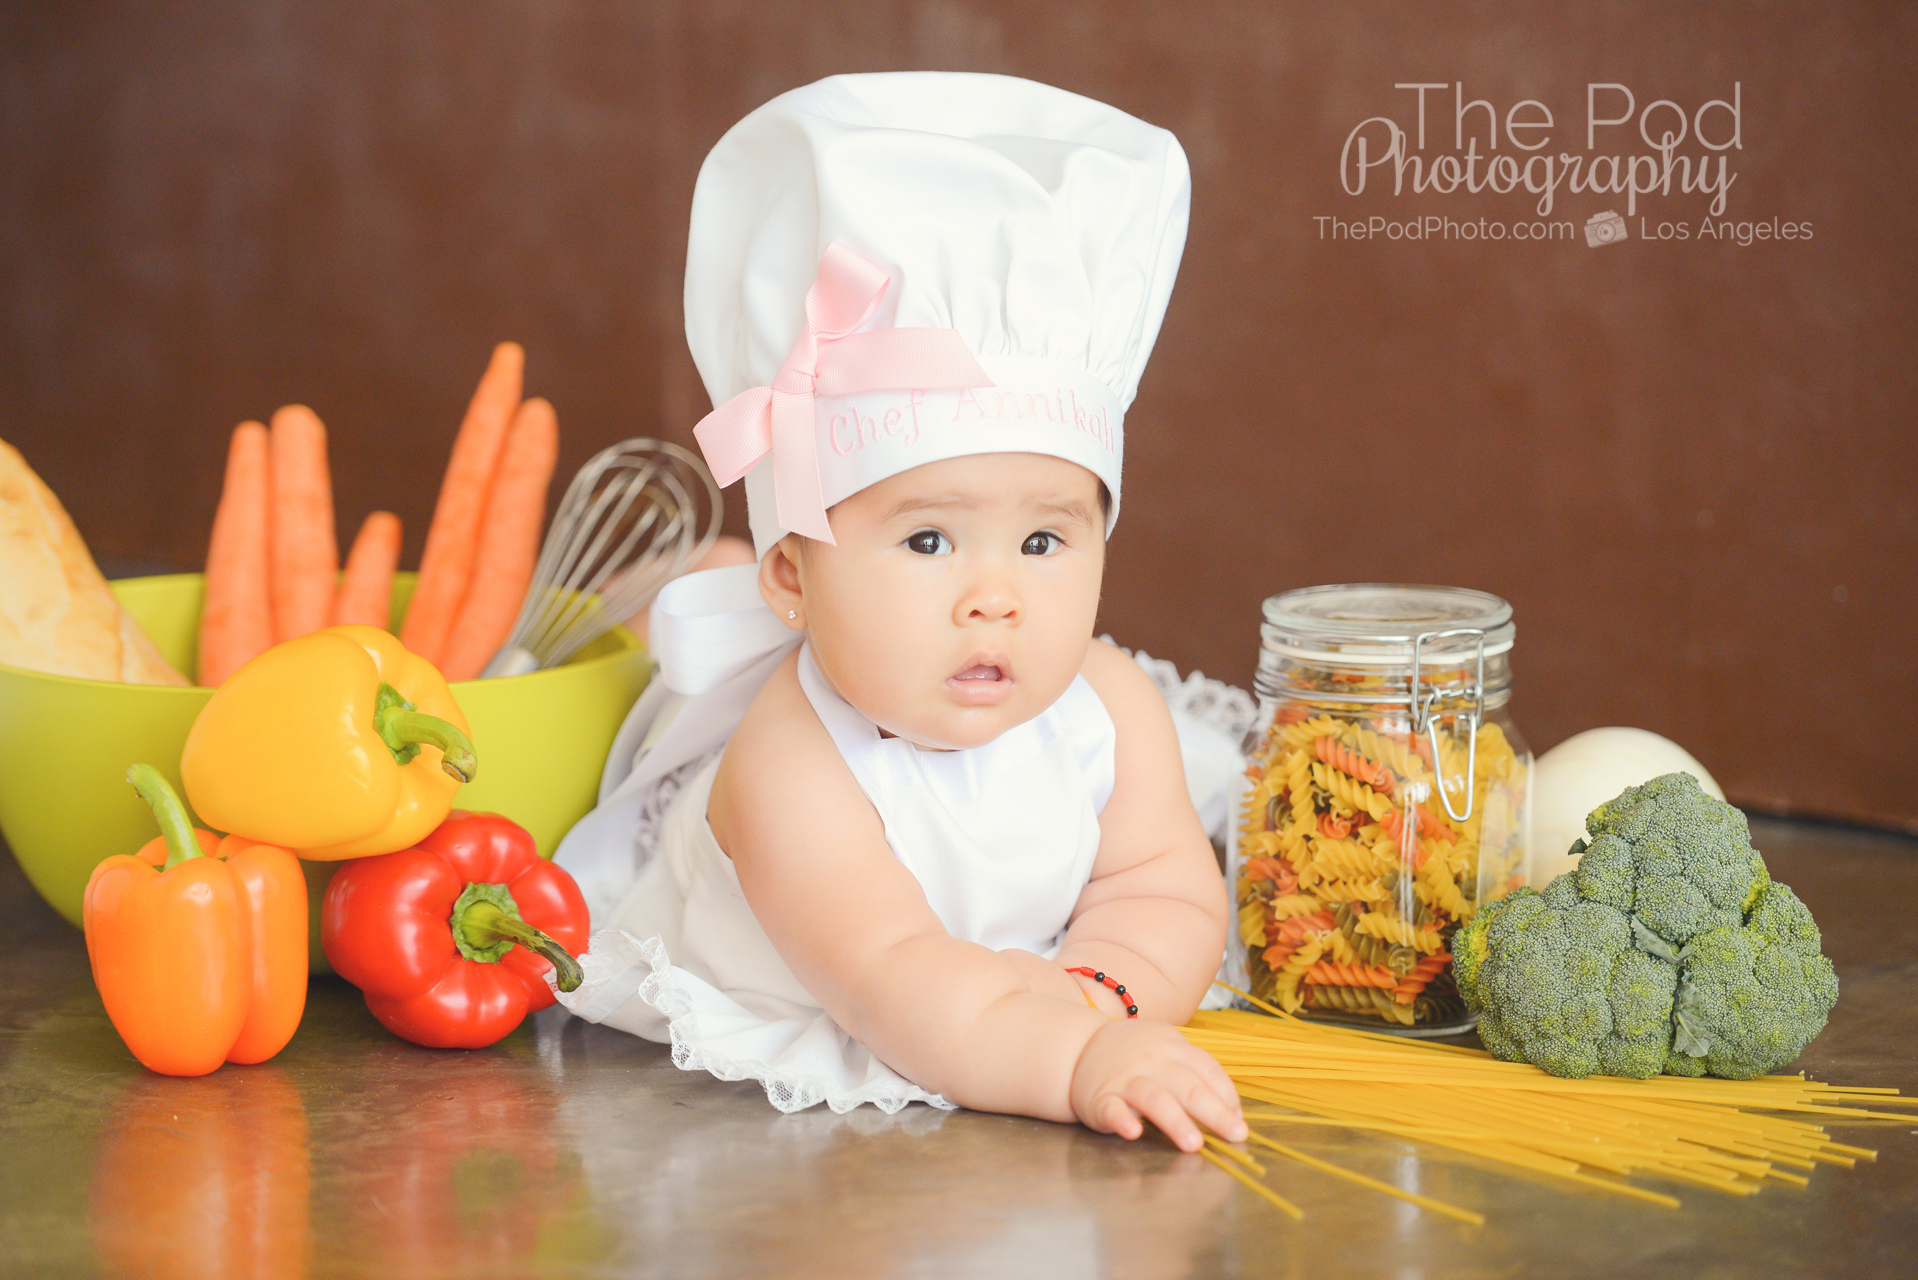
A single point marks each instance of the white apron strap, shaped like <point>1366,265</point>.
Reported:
<point>717,644</point>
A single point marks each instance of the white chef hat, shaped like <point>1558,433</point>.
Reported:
<point>1041,228</point>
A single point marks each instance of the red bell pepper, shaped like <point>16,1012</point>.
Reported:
<point>451,941</point>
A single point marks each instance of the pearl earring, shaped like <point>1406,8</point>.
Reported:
<point>792,614</point>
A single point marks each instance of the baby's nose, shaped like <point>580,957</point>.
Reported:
<point>992,599</point>
<point>997,607</point>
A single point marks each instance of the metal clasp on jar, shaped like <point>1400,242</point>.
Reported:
<point>1423,721</point>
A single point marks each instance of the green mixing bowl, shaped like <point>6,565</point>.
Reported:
<point>65,744</point>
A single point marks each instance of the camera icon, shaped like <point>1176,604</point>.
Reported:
<point>1604,228</point>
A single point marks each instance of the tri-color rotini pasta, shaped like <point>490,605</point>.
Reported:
<point>1353,875</point>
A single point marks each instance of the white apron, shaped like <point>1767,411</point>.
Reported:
<point>1001,838</point>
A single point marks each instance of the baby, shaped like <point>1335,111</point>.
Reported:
<point>891,825</point>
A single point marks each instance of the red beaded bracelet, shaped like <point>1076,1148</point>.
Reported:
<point>1118,988</point>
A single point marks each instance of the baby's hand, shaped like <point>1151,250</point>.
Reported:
<point>1132,1071</point>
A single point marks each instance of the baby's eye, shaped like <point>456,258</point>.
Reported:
<point>1042,544</point>
<point>928,542</point>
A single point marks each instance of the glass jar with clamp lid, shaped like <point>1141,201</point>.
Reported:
<point>1389,795</point>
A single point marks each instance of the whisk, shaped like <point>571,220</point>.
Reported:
<point>636,514</point>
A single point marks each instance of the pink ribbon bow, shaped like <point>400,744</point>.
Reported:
<point>828,358</point>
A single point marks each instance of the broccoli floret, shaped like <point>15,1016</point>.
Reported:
<point>1468,944</point>
<point>1669,948</point>
<point>1693,867</point>
<point>1641,998</point>
<point>1558,982</point>
<point>1752,996</point>
<point>1607,872</point>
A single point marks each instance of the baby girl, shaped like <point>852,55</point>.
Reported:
<point>891,825</point>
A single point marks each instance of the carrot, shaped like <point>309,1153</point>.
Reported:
<point>367,589</point>
<point>447,563</point>
<point>508,542</point>
<point>236,625</point>
<point>305,556</point>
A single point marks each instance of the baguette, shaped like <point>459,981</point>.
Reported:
<point>56,612</point>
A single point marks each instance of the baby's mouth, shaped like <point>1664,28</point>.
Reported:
<point>986,681</point>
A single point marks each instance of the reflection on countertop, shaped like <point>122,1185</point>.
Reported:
<point>570,1150</point>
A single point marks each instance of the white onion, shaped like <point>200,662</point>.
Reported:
<point>1585,771</point>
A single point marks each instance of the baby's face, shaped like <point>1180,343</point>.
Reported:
<point>960,597</point>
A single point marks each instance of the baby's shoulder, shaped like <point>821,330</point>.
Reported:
<point>1129,694</point>
<point>1148,771</point>
<point>780,761</point>
<point>779,719</point>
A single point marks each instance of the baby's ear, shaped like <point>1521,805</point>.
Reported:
<point>779,581</point>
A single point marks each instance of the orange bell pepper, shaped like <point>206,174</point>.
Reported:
<point>202,960</point>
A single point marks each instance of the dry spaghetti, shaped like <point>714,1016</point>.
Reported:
<point>1726,1135</point>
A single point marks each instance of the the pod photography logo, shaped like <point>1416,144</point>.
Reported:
<point>1442,164</point>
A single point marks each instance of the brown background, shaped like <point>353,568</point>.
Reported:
<point>1688,465</point>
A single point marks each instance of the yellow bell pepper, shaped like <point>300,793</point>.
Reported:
<point>336,745</point>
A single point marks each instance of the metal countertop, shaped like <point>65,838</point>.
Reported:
<point>572,1150</point>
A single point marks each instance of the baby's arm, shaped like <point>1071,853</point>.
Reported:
<point>855,928</point>
<point>1154,913</point>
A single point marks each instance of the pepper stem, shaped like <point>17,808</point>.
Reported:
<point>486,923</point>
<point>175,827</point>
<point>403,728</point>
